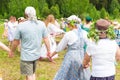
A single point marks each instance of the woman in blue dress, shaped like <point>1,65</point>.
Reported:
<point>71,68</point>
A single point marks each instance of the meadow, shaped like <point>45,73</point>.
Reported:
<point>10,69</point>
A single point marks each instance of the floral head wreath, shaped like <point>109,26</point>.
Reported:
<point>93,33</point>
<point>72,22</point>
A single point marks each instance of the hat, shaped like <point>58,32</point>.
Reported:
<point>102,24</point>
<point>88,18</point>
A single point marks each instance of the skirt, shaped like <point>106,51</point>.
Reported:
<point>103,78</point>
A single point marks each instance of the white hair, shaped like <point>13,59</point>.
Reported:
<point>31,13</point>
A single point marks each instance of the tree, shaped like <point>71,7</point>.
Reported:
<point>113,6</point>
<point>69,7</point>
<point>94,13</point>
<point>55,11</point>
<point>45,11</point>
<point>103,13</point>
<point>116,13</point>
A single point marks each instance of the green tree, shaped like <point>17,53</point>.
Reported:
<point>116,13</point>
<point>45,11</point>
<point>103,13</point>
<point>113,6</point>
<point>16,7</point>
<point>55,11</point>
<point>69,7</point>
<point>4,8</point>
<point>94,13</point>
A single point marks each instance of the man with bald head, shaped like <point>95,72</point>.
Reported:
<point>30,33</point>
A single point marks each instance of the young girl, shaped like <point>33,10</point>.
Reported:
<point>52,32</point>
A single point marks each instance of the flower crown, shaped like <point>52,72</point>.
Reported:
<point>93,33</point>
<point>72,22</point>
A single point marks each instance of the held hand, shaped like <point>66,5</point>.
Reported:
<point>86,66</point>
<point>49,57</point>
<point>10,54</point>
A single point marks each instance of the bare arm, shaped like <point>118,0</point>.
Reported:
<point>118,54</point>
<point>86,61</point>
<point>47,43</point>
<point>15,43</point>
<point>4,47</point>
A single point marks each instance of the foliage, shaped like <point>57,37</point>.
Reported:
<point>103,13</point>
<point>94,33</point>
<point>45,11</point>
<point>116,13</point>
<point>61,8</point>
<point>55,11</point>
<point>94,13</point>
<point>114,5</point>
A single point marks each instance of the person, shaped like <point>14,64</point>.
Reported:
<point>21,19</point>
<point>4,47</point>
<point>52,31</point>
<point>117,31</point>
<point>87,24</point>
<point>102,50</point>
<point>11,29</point>
<point>30,33</point>
<point>5,33</point>
<point>71,68</point>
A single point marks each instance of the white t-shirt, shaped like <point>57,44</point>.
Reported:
<point>103,57</point>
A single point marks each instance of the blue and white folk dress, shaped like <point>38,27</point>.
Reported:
<point>71,68</point>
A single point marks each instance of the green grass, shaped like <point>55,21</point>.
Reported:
<point>10,67</point>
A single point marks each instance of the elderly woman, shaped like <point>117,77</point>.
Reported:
<point>102,50</point>
<point>71,68</point>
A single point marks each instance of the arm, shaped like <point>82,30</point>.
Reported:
<point>86,61</point>
<point>63,43</point>
<point>15,43</point>
<point>4,47</point>
<point>47,44</point>
<point>118,54</point>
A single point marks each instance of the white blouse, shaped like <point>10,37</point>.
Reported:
<point>69,38</point>
<point>52,29</point>
<point>103,57</point>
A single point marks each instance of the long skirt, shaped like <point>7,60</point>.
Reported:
<point>71,68</point>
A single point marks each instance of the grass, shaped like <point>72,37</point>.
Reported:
<point>10,67</point>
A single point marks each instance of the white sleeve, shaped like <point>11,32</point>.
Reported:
<point>56,30</point>
<point>89,49</point>
<point>63,43</point>
<point>85,37</point>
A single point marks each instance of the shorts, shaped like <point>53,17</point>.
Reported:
<point>28,67</point>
